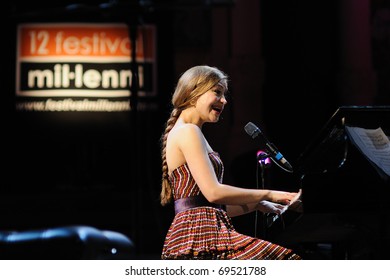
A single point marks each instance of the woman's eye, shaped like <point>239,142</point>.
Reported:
<point>219,92</point>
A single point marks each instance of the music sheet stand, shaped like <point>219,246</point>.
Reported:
<point>344,198</point>
<point>329,149</point>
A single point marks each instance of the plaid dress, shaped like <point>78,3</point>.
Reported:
<point>206,232</point>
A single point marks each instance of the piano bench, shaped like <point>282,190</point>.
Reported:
<point>65,243</point>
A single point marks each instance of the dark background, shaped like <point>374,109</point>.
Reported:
<point>291,65</point>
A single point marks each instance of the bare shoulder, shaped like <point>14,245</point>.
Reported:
<point>183,141</point>
<point>187,130</point>
<point>187,136</point>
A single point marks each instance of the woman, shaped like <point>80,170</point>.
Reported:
<point>192,177</point>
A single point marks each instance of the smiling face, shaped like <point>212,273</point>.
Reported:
<point>199,96</point>
<point>211,104</point>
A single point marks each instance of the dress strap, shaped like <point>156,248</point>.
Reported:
<point>186,203</point>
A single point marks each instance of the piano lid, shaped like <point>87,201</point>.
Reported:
<point>328,151</point>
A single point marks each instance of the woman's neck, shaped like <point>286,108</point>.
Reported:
<point>188,116</point>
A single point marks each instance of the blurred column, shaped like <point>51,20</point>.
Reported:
<point>241,52</point>
<point>357,80</point>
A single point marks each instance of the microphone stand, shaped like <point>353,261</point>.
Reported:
<point>262,162</point>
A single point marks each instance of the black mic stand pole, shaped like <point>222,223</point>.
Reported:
<point>134,88</point>
<point>261,162</point>
<point>130,14</point>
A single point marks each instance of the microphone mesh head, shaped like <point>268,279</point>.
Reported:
<point>252,130</point>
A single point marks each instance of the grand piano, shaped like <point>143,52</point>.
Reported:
<point>345,196</point>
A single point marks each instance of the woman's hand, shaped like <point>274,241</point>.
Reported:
<point>270,207</point>
<point>284,198</point>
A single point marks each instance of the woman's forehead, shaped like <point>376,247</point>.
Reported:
<point>221,85</point>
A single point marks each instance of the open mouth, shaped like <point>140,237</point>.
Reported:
<point>217,109</point>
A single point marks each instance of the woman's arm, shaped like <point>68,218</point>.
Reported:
<point>266,207</point>
<point>263,206</point>
<point>193,146</point>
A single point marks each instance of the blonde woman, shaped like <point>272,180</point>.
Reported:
<point>192,179</point>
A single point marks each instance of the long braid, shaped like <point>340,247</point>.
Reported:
<point>166,191</point>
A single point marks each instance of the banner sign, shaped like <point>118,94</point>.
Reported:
<point>82,66</point>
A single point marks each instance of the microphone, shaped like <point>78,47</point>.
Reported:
<point>253,131</point>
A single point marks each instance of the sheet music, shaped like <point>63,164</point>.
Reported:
<point>374,144</point>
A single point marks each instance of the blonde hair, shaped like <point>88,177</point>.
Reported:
<point>193,83</point>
